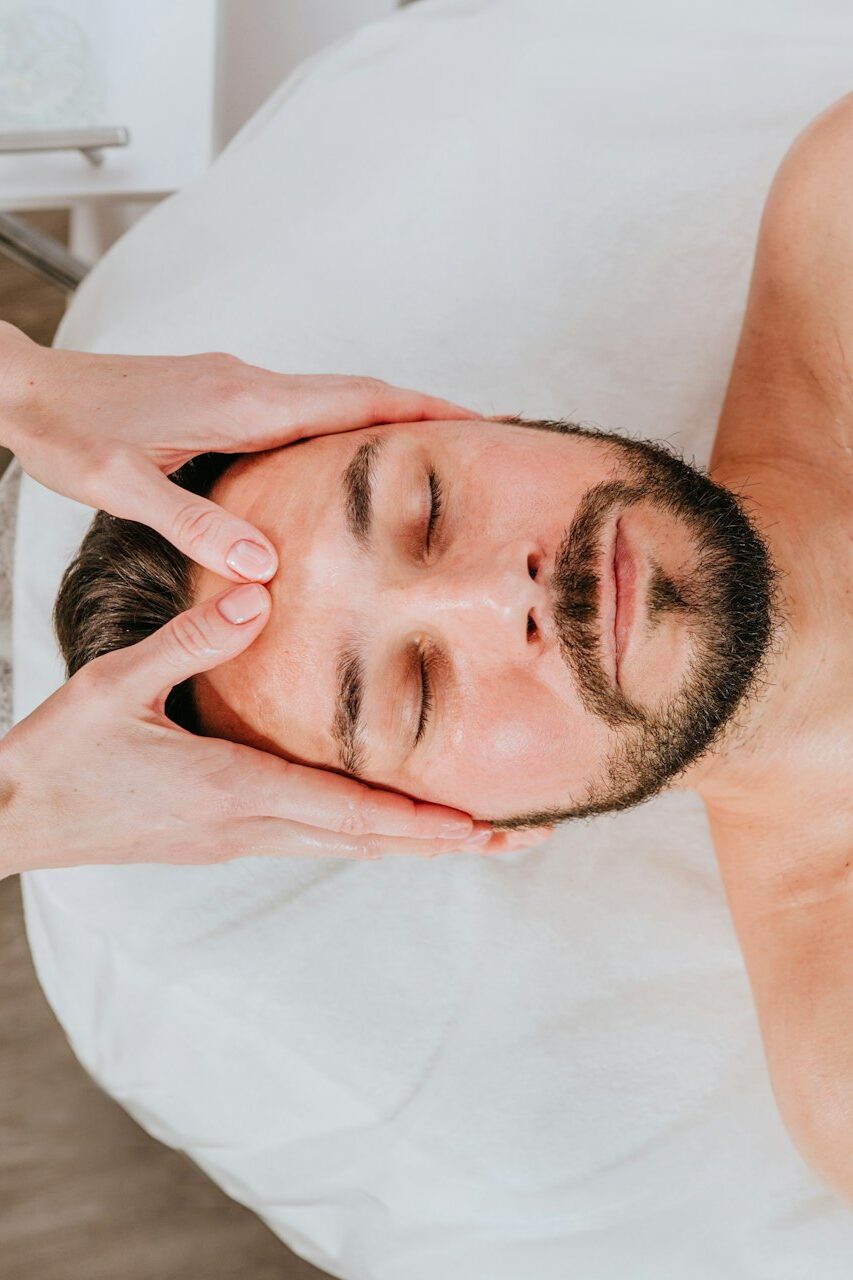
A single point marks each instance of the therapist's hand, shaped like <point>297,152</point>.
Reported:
<point>106,430</point>
<point>98,773</point>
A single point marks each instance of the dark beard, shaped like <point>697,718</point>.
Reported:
<point>728,602</point>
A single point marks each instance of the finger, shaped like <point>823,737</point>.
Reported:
<point>200,638</point>
<point>262,785</point>
<point>198,527</point>
<point>248,837</point>
<point>510,841</point>
<point>348,403</point>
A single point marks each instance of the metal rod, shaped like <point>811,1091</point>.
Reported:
<point>89,141</point>
<point>40,253</point>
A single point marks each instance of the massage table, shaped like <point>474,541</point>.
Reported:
<point>537,1066</point>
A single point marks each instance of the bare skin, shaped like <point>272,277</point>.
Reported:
<point>779,790</point>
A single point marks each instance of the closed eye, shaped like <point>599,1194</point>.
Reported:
<point>436,506</point>
<point>427,697</point>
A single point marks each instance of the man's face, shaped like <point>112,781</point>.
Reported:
<point>444,620</point>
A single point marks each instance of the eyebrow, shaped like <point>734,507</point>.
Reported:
<point>347,725</point>
<point>357,482</point>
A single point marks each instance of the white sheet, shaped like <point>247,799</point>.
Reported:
<point>545,1065</point>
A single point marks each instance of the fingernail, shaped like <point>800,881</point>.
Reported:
<point>481,837</point>
<point>453,827</point>
<point>250,560</point>
<point>242,605</point>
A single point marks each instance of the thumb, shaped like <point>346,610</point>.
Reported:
<point>201,638</point>
<point>199,528</point>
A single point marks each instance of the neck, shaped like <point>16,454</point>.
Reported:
<point>748,762</point>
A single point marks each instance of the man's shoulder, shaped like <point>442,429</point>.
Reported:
<point>790,393</point>
<point>818,164</point>
<point>806,241</point>
<point>789,885</point>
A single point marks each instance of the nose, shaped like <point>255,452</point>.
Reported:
<point>495,599</point>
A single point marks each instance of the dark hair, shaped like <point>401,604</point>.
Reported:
<point>126,581</point>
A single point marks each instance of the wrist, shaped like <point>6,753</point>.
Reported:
<point>13,854</point>
<point>19,382</point>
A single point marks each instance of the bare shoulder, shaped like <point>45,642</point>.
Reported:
<point>792,377</point>
<point>816,165</point>
<point>806,240</point>
<point>789,886</point>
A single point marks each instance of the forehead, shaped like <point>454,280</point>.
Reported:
<point>538,468</point>
<point>278,488</point>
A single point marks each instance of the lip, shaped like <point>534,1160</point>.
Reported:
<point>625,591</point>
<point>609,598</point>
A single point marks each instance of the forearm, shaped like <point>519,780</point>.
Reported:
<point>813,1051</point>
<point>13,854</point>
<point>19,383</point>
<point>787,889</point>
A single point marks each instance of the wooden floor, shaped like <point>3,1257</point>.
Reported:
<point>85,1194</point>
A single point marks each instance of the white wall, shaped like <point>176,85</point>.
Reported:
<point>258,43</point>
<point>261,41</point>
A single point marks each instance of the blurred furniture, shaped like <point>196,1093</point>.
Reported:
<point>254,57</point>
<point>104,108</point>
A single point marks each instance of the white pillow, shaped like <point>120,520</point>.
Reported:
<point>546,1064</point>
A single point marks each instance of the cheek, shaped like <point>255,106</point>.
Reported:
<point>528,486</point>
<point>516,747</point>
<point>507,724</point>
